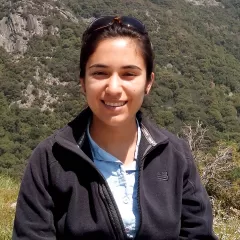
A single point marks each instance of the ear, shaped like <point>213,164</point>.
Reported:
<point>149,83</point>
<point>82,84</point>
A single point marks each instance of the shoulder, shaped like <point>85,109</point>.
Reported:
<point>69,134</point>
<point>42,151</point>
<point>163,135</point>
<point>42,154</point>
<point>174,139</point>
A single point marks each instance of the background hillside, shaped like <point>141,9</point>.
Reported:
<point>197,47</point>
<point>196,93</point>
<point>197,52</point>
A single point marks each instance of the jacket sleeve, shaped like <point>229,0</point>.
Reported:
<point>34,219</point>
<point>197,217</point>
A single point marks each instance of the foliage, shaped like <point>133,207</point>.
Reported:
<point>219,166</point>
<point>8,196</point>
<point>226,221</point>
<point>197,69</point>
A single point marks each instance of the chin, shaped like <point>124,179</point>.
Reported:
<point>115,121</point>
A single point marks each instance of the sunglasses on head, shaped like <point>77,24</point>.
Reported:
<point>105,21</point>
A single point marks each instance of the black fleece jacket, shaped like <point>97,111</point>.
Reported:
<point>64,196</point>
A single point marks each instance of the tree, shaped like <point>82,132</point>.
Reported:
<point>216,165</point>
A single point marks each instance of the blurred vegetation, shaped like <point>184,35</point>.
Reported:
<point>197,55</point>
<point>8,195</point>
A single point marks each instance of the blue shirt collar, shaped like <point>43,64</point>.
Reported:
<point>100,154</point>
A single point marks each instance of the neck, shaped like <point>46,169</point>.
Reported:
<point>120,141</point>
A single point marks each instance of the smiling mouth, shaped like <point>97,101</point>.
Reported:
<point>114,104</point>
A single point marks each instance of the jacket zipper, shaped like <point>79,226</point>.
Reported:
<point>111,206</point>
<point>139,179</point>
<point>114,214</point>
<point>105,193</point>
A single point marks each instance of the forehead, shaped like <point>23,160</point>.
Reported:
<point>117,51</point>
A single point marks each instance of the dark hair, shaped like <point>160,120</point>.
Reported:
<point>90,43</point>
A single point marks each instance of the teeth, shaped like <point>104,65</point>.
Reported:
<point>115,104</point>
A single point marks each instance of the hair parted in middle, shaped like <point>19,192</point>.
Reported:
<point>90,41</point>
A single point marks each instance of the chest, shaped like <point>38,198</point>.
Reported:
<point>84,209</point>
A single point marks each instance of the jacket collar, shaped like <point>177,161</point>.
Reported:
<point>151,131</point>
<point>75,131</point>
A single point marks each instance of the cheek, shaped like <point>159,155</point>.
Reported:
<point>136,89</point>
<point>93,88</point>
<point>137,92</point>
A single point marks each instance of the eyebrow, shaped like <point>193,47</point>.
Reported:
<point>124,67</point>
<point>132,67</point>
<point>98,66</point>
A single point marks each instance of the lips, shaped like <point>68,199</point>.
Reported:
<point>114,104</point>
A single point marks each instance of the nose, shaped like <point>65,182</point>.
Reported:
<point>114,86</point>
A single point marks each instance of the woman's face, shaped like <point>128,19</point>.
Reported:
<point>115,81</point>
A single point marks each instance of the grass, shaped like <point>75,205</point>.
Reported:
<point>228,229</point>
<point>226,225</point>
<point>8,195</point>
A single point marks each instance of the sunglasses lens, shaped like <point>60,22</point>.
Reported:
<point>100,22</point>
<point>133,23</point>
<point>108,20</point>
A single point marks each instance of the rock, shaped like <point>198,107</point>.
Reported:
<point>15,31</point>
<point>13,205</point>
<point>169,65</point>
<point>205,3</point>
<point>147,13</point>
<point>20,26</point>
<point>31,24</point>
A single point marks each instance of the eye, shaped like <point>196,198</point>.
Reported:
<point>130,74</point>
<point>99,73</point>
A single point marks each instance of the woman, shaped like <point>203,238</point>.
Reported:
<point>111,173</point>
